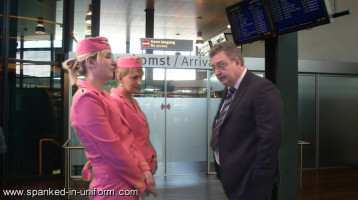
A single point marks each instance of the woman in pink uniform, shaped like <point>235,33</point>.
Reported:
<point>114,164</point>
<point>129,74</point>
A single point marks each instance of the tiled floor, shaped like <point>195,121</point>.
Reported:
<point>324,184</point>
<point>178,187</point>
<point>191,187</point>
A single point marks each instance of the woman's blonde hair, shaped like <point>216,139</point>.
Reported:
<point>77,65</point>
<point>122,71</point>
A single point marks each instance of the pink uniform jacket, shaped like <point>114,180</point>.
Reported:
<point>138,124</point>
<point>109,144</point>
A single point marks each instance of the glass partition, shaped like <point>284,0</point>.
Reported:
<point>186,119</point>
<point>178,119</point>
<point>307,118</point>
<point>151,99</point>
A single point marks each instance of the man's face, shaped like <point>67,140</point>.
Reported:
<point>226,70</point>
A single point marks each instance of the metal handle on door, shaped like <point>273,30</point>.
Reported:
<point>162,106</point>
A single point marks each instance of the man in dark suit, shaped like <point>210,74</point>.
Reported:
<point>247,128</point>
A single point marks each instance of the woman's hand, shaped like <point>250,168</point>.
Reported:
<point>150,183</point>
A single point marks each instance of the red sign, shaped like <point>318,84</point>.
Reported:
<point>145,43</point>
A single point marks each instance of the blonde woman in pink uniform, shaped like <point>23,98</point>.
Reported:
<point>129,74</point>
<point>114,165</point>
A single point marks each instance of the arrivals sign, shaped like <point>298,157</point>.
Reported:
<point>167,61</point>
<point>172,61</point>
<point>166,44</point>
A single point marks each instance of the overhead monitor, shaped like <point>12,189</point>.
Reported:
<point>294,15</point>
<point>249,21</point>
<point>204,49</point>
<point>218,39</point>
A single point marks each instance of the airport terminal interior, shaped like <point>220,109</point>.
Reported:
<point>315,68</point>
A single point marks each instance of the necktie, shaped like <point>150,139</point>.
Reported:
<point>220,119</point>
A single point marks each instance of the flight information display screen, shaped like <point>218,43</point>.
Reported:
<point>249,21</point>
<point>293,15</point>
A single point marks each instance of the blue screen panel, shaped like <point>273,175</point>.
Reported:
<point>293,15</point>
<point>249,21</point>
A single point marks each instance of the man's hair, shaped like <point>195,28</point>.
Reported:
<point>230,50</point>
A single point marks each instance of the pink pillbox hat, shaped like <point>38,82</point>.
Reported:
<point>129,62</point>
<point>89,45</point>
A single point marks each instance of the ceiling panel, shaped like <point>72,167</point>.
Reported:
<point>174,19</point>
<point>124,19</point>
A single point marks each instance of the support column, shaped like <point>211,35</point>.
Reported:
<point>4,62</point>
<point>8,78</point>
<point>149,33</point>
<point>22,44</point>
<point>53,53</point>
<point>67,43</point>
<point>4,82</point>
<point>68,26</point>
<point>68,23</point>
<point>281,67</point>
<point>96,17</point>
<point>128,46</point>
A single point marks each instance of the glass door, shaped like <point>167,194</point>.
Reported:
<point>152,101</point>
<point>177,114</point>
<point>186,121</point>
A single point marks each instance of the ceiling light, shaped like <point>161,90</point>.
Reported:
<point>88,19</point>
<point>199,42</point>
<point>89,11</point>
<point>228,26</point>
<point>89,30</point>
<point>200,36</point>
<point>199,39</point>
<point>40,29</point>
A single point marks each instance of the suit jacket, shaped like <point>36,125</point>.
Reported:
<point>139,125</point>
<point>249,141</point>
<point>108,143</point>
